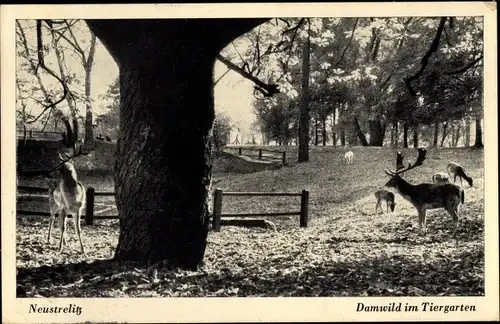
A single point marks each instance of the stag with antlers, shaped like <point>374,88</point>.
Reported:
<point>426,195</point>
<point>67,198</point>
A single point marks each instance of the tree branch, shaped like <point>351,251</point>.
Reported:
<point>425,59</point>
<point>266,89</point>
<point>349,43</point>
<point>464,68</point>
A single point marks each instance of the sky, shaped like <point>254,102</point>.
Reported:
<point>233,94</point>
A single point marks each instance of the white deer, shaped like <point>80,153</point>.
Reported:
<point>66,198</point>
<point>348,157</point>
<point>427,195</point>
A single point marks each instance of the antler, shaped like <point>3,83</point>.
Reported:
<point>399,161</point>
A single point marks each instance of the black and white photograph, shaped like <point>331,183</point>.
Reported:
<point>316,156</point>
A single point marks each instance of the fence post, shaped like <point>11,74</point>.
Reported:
<point>304,206</point>
<point>217,209</point>
<point>239,150</point>
<point>31,133</point>
<point>260,154</point>
<point>89,216</point>
<point>284,158</point>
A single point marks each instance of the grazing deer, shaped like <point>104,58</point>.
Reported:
<point>427,195</point>
<point>388,197</point>
<point>455,169</point>
<point>67,198</point>
<point>440,177</point>
<point>348,157</point>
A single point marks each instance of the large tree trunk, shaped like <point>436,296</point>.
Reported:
<point>361,136</point>
<point>479,134</point>
<point>405,135</point>
<point>304,117</point>
<point>342,136</point>
<point>163,159</point>
<point>377,133</point>
<point>436,135</point>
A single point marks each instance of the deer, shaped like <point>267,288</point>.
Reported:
<point>66,197</point>
<point>455,169</point>
<point>426,196</point>
<point>440,177</point>
<point>388,197</point>
<point>348,157</point>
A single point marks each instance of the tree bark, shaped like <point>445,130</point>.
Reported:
<point>445,133</point>
<point>324,135</point>
<point>436,135</point>
<point>415,136</point>
<point>304,117</point>
<point>316,132</point>
<point>334,135</point>
<point>479,134</point>
<point>89,129</point>
<point>405,135</point>
<point>377,132</point>
<point>457,136</point>
<point>361,136</point>
<point>163,159</point>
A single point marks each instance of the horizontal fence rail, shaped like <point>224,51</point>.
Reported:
<point>281,154</point>
<point>89,203</point>
<point>217,206</point>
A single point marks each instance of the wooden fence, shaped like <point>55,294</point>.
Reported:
<point>274,154</point>
<point>32,134</point>
<point>91,194</point>
<point>217,210</point>
<point>89,203</point>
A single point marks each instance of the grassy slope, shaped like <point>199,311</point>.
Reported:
<point>346,250</point>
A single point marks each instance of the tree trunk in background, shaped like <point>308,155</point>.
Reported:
<point>359,132</point>
<point>479,134</point>
<point>445,133</point>
<point>405,135</point>
<point>436,135</point>
<point>377,133</point>
<point>316,132</point>
<point>467,132</point>
<point>457,136</point>
<point>396,134</point>
<point>452,132</point>
<point>334,135</point>
<point>304,105</point>
<point>415,136</point>
<point>166,105</point>
<point>89,129</point>
<point>324,135</point>
<point>342,136</point>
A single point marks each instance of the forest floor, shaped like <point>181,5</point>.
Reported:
<point>346,250</point>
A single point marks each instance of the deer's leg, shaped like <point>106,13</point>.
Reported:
<point>62,226</point>
<point>78,228</point>
<point>51,221</point>
<point>454,211</point>
<point>421,221</point>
